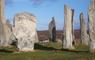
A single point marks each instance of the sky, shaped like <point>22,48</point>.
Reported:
<point>44,10</point>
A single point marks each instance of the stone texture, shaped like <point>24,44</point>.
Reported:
<point>24,30</point>
<point>92,25</point>
<point>74,41</point>
<point>83,29</point>
<point>4,28</point>
<point>2,32</point>
<point>10,36</point>
<point>52,30</point>
<point>68,29</point>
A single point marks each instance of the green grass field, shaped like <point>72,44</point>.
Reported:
<point>49,51</point>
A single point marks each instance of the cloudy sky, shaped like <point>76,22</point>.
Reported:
<point>44,10</point>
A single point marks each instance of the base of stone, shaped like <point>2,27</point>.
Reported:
<point>69,48</point>
<point>92,46</point>
<point>92,50</point>
<point>6,46</point>
<point>26,49</point>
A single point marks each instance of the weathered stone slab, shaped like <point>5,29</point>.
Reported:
<point>83,29</point>
<point>68,29</point>
<point>92,26</point>
<point>25,31</point>
<point>52,30</point>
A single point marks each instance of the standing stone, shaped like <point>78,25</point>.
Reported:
<point>52,30</point>
<point>4,29</point>
<point>68,33</point>
<point>92,26</point>
<point>74,42</point>
<point>2,33</point>
<point>10,36</point>
<point>83,29</point>
<point>24,30</point>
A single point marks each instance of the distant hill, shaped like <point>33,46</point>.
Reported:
<point>43,35</point>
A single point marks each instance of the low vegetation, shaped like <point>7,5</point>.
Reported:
<point>48,51</point>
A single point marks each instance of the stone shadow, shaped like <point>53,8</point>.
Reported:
<point>76,51</point>
<point>5,51</point>
<point>41,47</point>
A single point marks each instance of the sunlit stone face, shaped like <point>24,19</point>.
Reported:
<point>25,31</point>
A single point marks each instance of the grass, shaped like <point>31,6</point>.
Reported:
<point>49,51</point>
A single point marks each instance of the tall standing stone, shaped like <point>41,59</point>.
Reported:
<point>92,26</point>
<point>74,42</point>
<point>68,29</point>
<point>52,30</point>
<point>83,29</point>
<point>4,32</point>
<point>24,30</point>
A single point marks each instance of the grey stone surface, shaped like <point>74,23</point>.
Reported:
<point>83,29</point>
<point>52,30</point>
<point>92,25</point>
<point>68,29</point>
<point>25,31</point>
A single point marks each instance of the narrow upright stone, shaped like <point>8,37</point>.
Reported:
<point>92,26</point>
<point>4,31</point>
<point>74,42</point>
<point>52,30</point>
<point>25,31</point>
<point>84,35</point>
<point>10,37</point>
<point>68,28</point>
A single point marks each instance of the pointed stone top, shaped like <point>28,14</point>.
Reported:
<point>53,19</point>
<point>66,6</point>
<point>81,13</point>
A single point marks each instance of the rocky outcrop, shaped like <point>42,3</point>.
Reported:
<point>24,30</point>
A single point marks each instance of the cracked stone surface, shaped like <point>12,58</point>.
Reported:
<point>25,31</point>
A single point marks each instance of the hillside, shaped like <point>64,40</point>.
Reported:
<point>43,35</point>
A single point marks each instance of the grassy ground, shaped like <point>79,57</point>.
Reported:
<point>49,51</point>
